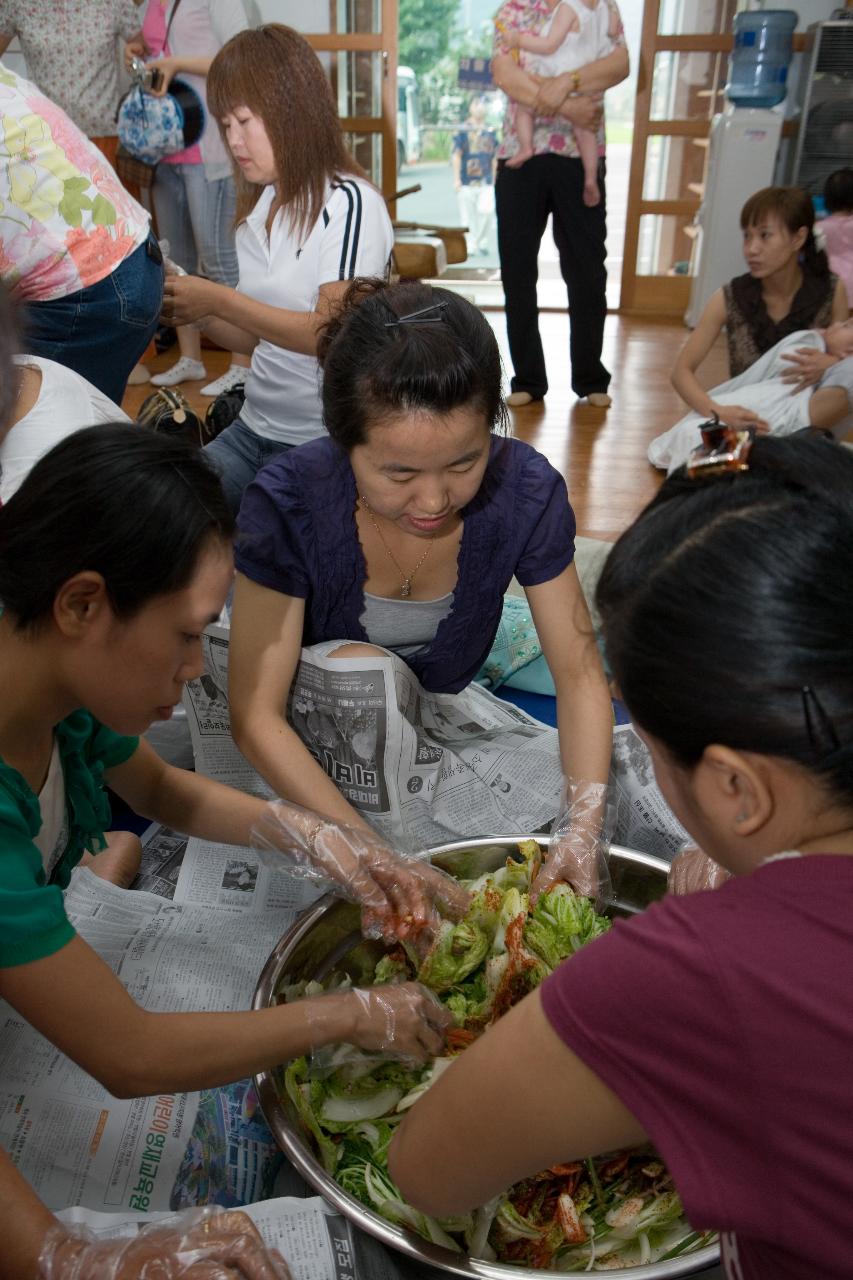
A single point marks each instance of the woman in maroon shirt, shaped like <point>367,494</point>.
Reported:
<point>718,1025</point>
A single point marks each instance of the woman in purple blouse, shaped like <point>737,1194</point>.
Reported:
<point>403,529</point>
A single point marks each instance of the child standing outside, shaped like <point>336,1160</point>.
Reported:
<point>578,32</point>
<point>838,227</point>
<point>475,148</point>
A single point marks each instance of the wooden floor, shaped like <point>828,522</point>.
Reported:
<point>601,453</point>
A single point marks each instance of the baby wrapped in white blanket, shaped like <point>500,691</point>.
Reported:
<point>761,388</point>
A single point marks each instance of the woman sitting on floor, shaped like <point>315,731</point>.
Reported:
<point>718,1026</point>
<point>115,553</point>
<point>787,288</point>
<point>402,531</point>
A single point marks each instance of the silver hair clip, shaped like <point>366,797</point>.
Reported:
<point>419,317</point>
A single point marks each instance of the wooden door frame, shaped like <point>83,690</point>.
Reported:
<point>385,43</point>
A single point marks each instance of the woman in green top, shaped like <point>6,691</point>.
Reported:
<point>115,553</point>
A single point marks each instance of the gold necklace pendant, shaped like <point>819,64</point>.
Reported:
<point>406,587</point>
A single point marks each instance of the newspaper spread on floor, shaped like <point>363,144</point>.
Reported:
<point>424,768</point>
<point>643,818</point>
<point>73,1141</point>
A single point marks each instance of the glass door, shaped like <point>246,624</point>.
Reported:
<point>444,53</point>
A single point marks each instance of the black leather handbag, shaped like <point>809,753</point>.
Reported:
<point>171,413</point>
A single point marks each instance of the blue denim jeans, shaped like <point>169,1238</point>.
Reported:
<point>197,219</point>
<point>101,332</point>
<point>238,455</point>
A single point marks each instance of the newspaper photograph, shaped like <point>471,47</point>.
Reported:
<point>241,882</point>
<point>162,854</point>
<point>341,716</point>
<point>232,1158</point>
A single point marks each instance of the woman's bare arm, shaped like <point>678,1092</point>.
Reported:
<point>694,351</point>
<point>484,1134</point>
<point>266,643</point>
<point>72,996</point>
<point>840,303</point>
<point>24,1222</point>
<point>191,300</point>
<point>551,96</point>
<point>584,715</point>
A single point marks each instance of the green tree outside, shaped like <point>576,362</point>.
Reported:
<point>427,29</point>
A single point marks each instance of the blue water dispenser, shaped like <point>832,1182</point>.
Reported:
<point>758,66</point>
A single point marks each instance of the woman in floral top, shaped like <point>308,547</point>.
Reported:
<point>74,246</point>
<point>71,52</point>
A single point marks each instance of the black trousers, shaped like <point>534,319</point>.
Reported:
<point>524,198</point>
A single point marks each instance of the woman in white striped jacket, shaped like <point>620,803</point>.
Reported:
<point>308,223</point>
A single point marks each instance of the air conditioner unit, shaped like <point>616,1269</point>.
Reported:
<point>825,99</point>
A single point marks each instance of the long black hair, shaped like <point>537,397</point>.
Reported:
<point>116,499</point>
<point>728,610</point>
<point>374,365</point>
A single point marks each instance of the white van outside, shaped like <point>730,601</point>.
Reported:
<point>408,118</point>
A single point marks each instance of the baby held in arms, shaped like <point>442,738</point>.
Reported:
<point>576,33</point>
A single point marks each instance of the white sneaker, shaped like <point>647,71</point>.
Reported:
<point>186,370</point>
<point>230,378</point>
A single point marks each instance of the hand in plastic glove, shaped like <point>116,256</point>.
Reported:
<point>577,853</point>
<point>405,1020</point>
<point>692,871</point>
<point>399,895</point>
<point>196,1245</point>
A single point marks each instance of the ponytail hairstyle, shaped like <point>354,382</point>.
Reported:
<point>727,611</point>
<point>794,209</point>
<point>380,358</point>
<point>118,500</point>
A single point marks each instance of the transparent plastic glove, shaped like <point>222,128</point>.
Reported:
<point>692,871</point>
<point>201,1244</point>
<point>404,1020</point>
<point>579,841</point>
<point>171,268</point>
<point>400,896</point>
<point>407,1020</point>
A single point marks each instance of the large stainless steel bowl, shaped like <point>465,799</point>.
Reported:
<point>327,938</point>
